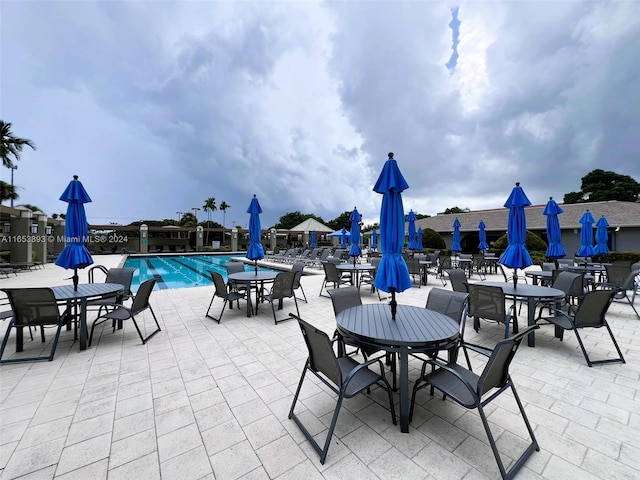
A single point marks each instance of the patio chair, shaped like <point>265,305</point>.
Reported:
<point>298,267</point>
<point>458,279</point>
<point>331,275</point>
<point>453,304</point>
<point>123,276</point>
<point>121,313</point>
<point>342,374</point>
<point>221,291</point>
<point>369,277</point>
<point>232,285</point>
<point>33,307</point>
<point>415,270</point>
<point>489,303</point>
<point>444,264</point>
<point>625,281</point>
<point>590,314</point>
<point>282,288</point>
<point>479,266</point>
<point>475,392</point>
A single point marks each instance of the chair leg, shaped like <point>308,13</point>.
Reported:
<point>142,338</point>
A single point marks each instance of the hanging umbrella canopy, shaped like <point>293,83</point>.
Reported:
<point>255,251</point>
<point>374,239</point>
<point>586,235</point>
<point>343,238</point>
<point>455,245</point>
<point>313,239</point>
<point>483,236</point>
<point>602,237</point>
<point>419,239</point>
<point>516,255</point>
<point>75,255</point>
<point>555,249</point>
<point>355,219</point>
<point>411,218</point>
<point>392,274</point>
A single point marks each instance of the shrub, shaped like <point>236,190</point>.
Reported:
<point>534,243</point>
<point>432,239</point>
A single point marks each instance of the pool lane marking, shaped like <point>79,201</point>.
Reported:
<point>154,272</point>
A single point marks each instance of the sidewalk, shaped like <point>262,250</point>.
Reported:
<point>210,401</point>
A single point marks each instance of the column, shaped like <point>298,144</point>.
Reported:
<point>39,233</point>
<point>199,238</point>
<point>273,240</point>
<point>144,239</point>
<point>20,235</point>
<point>234,239</point>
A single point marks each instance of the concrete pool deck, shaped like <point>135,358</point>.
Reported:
<point>204,400</point>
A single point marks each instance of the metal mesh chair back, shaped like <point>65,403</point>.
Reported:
<point>234,267</point>
<point>33,306</point>
<point>617,274</point>
<point>548,266</point>
<point>592,310</point>
<point>444,263</point>
<point>141,300</point>
<point>297,268</point>
<point>564,281</point>
<point>283,285</point>
<point>458,279</point>
<point>331,272</point>
<point>451,304</point>
<point>486,302</point>
<point>322,358</point>
<point>218,282</point>
<point>123,276</point>
<point>343,298</point>
<point>496,371</point>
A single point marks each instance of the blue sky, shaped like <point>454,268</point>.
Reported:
<point>160,105</point>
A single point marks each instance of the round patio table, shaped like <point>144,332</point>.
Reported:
<point>530,293</point>
<point>256,280</point>
<point>415,330</point>
<point>356,270</point>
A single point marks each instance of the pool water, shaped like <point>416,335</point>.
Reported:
<point>179,271</point>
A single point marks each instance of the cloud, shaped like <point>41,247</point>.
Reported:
<point>160,105</point>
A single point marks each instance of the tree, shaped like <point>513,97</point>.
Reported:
<point>11,146</point>
<point>188,220</point>
<point>209,206</point>
<point>432,239</point>
<point>224,206</point>
<point>456,210</point>
<point>33,208</point>
<point>291,219</point>
<point>601,186</point>
<point>341,221</point>
<point>8,192</point>
<point>420,216</point>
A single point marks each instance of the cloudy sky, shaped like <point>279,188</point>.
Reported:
<point>158,105</point>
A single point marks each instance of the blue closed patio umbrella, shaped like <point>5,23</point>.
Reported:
<point>75,255</point>
<point>255,251</point>
<point>343,238</point>
<point>392,274</point>
<point>355,218</point>
<point>555,250</point>
<point>413,243</point>
<point>602,237</point>
<point>516,255</point>
<point>419,235</point>
<point>455,245</point>
<point>374,239</point>
<point>313,239</point>
<point>586,235</point>
<point>483,236</point>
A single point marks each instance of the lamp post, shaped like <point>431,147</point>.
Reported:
<point>179,216</point>
<point>14,167</point>
<point>195,213</point>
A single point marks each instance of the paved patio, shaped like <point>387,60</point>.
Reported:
<point>210,401</point>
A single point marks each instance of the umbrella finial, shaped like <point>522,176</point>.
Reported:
<point>517,184</point>
<point>75,177</point>
<point>254,195</point>
<point>390,155</point>
<point>550,198</point>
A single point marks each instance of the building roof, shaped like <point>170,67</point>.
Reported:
<point>311,224</point>
<point>618,214</point>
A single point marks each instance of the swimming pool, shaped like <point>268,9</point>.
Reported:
<point>179,271</point>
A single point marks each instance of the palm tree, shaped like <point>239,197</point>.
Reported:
<point>223,206</point>
<point>209,206</point>
<point>8,192</point>
<point>11,146</point>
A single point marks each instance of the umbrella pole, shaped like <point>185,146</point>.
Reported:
<point>255,266</point>
<point>393,303</point>
<point>515,277</point>
<point>75,279</point>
